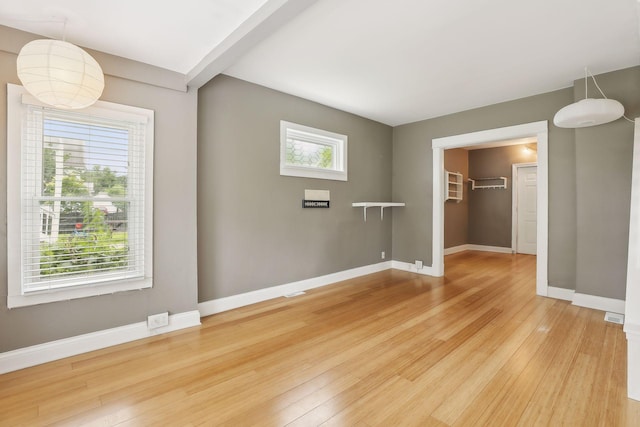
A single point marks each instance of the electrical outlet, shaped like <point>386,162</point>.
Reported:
<point>382,255</point>
<point>418,265</point>
<point>158,320</point>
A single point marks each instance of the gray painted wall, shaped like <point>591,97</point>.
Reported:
<point>412,177</point>
<point>253,232</point>
<point>603,184</point>
<point>490,210</point>
<point>175,243</point>
<point>456,214</point>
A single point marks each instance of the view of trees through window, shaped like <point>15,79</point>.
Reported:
<point>309,154</point>
<point>83,208</point>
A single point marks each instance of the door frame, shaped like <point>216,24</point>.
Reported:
<point>514,204</point>
<point>538,130</point>
<point>632,305</point>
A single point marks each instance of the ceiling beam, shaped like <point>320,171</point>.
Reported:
<point>265,21</point>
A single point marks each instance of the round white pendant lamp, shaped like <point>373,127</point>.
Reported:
<point>60,74</point>
<point>589,111</point>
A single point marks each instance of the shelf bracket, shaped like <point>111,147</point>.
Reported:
<point>364,209</point>
<point>381,205</point>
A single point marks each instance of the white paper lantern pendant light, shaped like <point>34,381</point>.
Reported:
<point>589,111</point>
<point>60,74</point>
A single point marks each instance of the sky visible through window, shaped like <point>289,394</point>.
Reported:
<point>102,146</point>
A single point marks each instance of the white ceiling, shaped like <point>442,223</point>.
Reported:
<point>172,34</point>
<point>405,60</point>
<point>392,61</point>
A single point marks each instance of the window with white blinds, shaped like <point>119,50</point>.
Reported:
<point>83,223</point>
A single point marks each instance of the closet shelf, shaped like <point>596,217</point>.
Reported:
<point>380,205</point>
<point>453,190</point>
<point>503,183</point>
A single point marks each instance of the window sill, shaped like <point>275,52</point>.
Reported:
<point>14,301</point>
<point>300,172</point>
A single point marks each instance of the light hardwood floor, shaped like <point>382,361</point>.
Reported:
<point>393,348</point>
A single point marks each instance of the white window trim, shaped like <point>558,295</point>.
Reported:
<point>17,97</point>
<point>337,174</point>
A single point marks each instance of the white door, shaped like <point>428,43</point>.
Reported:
<point>527,210</point>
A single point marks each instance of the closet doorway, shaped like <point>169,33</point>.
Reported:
<point>496,210</point>
<point>537,130</point>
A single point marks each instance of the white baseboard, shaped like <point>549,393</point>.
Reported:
<point>426,270</point>
<point>208,308</point>
<point>632,329</point>
<point>633,360</point>
<point>469,247</point>
<point>456,249</point>
<point>498,249</point>
<point>599,303</point>
<point>560,293</point>
<point>588,301</point>
<point>59,349</point>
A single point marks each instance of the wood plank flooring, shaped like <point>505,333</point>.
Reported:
<point>476,347</point>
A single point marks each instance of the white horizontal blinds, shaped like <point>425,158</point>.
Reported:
<point>82,199</point>
<point>311,150</point>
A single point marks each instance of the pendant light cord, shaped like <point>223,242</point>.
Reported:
<point>586,70</point>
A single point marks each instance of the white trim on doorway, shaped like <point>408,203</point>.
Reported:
<point>514,202</point>
<point>632,306</point>
<point>538,130</point>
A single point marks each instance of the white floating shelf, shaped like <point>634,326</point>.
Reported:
<point>502,184</point>
<point>380,205</point>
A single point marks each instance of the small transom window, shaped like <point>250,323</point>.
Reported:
<point>312,153</point>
